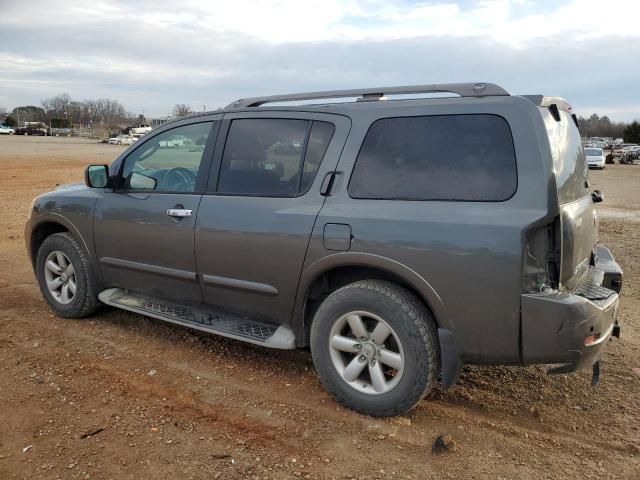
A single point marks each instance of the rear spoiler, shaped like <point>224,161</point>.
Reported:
<point>554,104</point>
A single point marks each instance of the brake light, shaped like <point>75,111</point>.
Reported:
<point>591,339</point>
<point>542,258</point>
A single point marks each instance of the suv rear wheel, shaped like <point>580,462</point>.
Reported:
<point>66,277</point>
<point>375,347</point>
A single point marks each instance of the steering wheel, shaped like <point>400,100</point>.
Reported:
<point>180,179</point>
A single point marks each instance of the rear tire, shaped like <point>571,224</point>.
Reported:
<point>378,374</point>
<point>66,277</point>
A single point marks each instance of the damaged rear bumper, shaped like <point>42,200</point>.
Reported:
<point>573,328</point>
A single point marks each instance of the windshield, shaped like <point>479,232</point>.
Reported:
<point>593,152</point>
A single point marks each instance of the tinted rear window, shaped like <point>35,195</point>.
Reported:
<point>569,162</point>
<point>444,157</point>
<point>276,157</point>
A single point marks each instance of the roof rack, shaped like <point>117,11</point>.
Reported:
<point>372,94</point>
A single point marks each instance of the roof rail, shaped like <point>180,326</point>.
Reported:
<point>367,94</point>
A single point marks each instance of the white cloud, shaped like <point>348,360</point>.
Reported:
<point>154,53</point>
<point>278,21</point>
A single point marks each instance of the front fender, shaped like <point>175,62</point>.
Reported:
<point>72,209</point>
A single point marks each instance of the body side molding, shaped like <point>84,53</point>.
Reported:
<point>145,267</point>
<point>240,284</point>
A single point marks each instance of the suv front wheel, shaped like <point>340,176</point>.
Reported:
<point>375,347</point>
<point>66,277</point>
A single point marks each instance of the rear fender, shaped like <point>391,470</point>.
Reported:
<point>327,263</point>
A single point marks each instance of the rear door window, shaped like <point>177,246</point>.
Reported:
<point>274,157</point>
<point>443,157</point>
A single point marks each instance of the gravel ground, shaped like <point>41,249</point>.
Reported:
<point>124,397</point>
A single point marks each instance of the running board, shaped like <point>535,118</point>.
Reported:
<point>259,333</point>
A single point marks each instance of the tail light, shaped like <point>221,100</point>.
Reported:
<point>541,266</point>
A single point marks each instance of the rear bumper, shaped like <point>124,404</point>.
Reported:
<point>573,328</point>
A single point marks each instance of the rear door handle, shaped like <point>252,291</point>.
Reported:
<point>179,212</point>
<point>327,183</point>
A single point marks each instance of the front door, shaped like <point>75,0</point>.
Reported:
<point>144,228</point>
<point>262,201</point>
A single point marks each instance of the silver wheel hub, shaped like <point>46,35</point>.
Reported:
<point>369,350</point>
<point>366,352</point>
<point>60,277</point>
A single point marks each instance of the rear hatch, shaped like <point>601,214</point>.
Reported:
<point>578,225</point>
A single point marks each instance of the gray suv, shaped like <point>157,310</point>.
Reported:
<point>397,236</point>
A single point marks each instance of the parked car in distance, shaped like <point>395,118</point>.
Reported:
<point>136,136</point>
<point>595,157</point>
<point>121,140</point>
<point>4,130</point>
<point>175,141</point>
<point>139,128</point>
<point>634,152</point>
<point>31,131</point>
<point>398,239</point>
<point>60,132</point>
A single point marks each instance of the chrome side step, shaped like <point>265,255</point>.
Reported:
<point>259,333</point>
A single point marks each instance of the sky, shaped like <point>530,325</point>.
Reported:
<point>153,54</point>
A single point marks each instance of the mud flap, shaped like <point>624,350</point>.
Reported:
<point>451,363</point>
<point>572,367</point>
<point>595,378</point>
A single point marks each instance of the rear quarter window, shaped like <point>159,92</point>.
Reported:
<point>440,157</point>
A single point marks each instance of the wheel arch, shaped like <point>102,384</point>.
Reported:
<point>45,227</point>
<point>334,271</point>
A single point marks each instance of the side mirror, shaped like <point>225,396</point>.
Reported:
<point>597,196</point>
<point>97,176</point>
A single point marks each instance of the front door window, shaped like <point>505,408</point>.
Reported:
<point>168,162</point>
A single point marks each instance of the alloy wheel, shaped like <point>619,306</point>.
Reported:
<point>60,277</point>
<point>366,352</point>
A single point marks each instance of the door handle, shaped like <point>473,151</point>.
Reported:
<point>179,212</point>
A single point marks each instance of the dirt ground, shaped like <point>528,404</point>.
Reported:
<point>124,397</point>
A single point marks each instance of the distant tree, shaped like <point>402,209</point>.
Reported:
<point>29,113</point>
<point>596,126</point>
<point>632,132</point>
<point>58,106</point>
<point>103,111</point>
<point>10,121</point>
<point>60,123</point>
<point>181,110</point>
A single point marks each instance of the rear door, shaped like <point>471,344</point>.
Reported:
<point>144,228</point>
<point>261,204</point>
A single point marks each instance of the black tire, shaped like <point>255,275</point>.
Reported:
<point>414,327</point>
<point>85,300</point>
